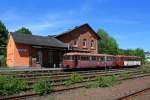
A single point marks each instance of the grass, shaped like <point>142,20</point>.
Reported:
<point>146,68</point>
<point>107,81</point>
<point>10,85</point>
<point>121,75</point>
<point>42,86</point>
<point>74,78</point>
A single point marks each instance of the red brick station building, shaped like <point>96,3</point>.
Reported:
<point>47,51</point>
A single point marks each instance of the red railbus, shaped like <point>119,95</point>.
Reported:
<point>75,60</point>
<point>119,61</point>
<point>128,61</point>
<point>87,60</point>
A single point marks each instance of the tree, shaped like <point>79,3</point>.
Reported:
<point>3,42</point>
<point>121,51</point>
<point>24,30</point>
<point>3,34</point>
<point>107,44</point>
<point>132,52</point>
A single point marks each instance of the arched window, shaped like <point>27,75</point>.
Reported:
<point>92,43</point>
<point>75,42</point>
<point>84,43</point>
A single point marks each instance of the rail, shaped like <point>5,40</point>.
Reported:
<point>59,87</point>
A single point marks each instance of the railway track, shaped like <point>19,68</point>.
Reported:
<point>62,74</point>
<point>130,96</point>
<point>59,87</point>
<point>57,79</point>
<point>53,72</point>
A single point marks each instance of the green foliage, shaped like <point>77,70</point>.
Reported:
<point>107,44</point>
<point>3,42</point>
<point>74,78</point>
<point>3,34</point>
<point>43,86</point>
<point>121,75</point>
<point>132,52</point>
<point>146,68</point>
<point>3,57</point>
<point>24,31</point>
<point>105,81</point>
<point>67,82</point>
<point>11,85</point>
<point>3,60</point>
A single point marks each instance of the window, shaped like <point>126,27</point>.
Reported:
<point>75,43</point>
<point>101,59</point>
<point>84,58</point>
<point>92,43</point>
<point>84,42</point>
<point>109,59</point>
<point>93,58</point>
<point>75,57</point>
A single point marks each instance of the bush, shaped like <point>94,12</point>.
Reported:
<point>3,61</point>
<point>105,81</point>
<point>74,78</point>
<point>68,82</point>
<point>43,86</point>
<point>3,57</point>
<point>11,85</point>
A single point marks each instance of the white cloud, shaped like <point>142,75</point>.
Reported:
<point>51,22</point>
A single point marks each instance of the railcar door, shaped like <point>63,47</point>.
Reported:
<point>75,58</point>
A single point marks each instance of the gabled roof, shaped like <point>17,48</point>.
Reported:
<point>77,28</point>
<point>37,40</point>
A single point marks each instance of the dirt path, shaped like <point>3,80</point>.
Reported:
<point>111,93</point>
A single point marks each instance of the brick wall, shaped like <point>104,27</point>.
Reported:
<point>17,54</point>
<point>79,36</point>
<point>10,52</point>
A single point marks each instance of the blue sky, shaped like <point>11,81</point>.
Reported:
<point>126,20</point>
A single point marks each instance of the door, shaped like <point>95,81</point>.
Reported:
<point>50,59</point>
<point>39,58</point>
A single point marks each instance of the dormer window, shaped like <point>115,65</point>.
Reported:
<point>84,42</point>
